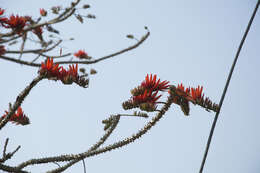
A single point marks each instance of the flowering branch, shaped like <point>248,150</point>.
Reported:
<point>20,98</point>
<point>67,13</point>
<point>143,97</point>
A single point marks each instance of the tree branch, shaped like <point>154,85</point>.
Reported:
<point>19,100</point>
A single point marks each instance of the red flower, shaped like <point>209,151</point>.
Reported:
<point>181,91</point>
<point>63,72</point>
<point>2,11</point>
<point>69,76</point>
<point>151,83</point>
<point>183,96</point>
<point>81,54</point>
<point>196,93</point>
<point>54,72</point>
<point>19,118</point>
<point>2,19</point>
<point>2,49</point>
<point>73,71</point>
<point>17,23</point>
<point>43,12</point>
<point>181,87</point>
<point>50,69</point>
<point>146,97</point>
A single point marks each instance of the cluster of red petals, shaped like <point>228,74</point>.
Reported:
<point>184,96</point>
<point>50,69</point>
<point>196,93</point>
<point>146,95</point>
<point>69,76</point>
<point>151,83</point>
<point>43,12</point>
<point>2,19</point>
<point>81,54</point>
<point>1,11</point>
<point>55,72</point>
<point>2,50</point>
<point>19,118</point>
<point>17,23</point>
<point>191,94</point>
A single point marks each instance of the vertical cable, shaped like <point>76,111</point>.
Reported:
<point>226,87</point>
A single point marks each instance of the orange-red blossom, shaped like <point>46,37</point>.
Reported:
<point>19,118</point>
<point>55,72</point>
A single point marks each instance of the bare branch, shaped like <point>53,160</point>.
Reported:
<point>19,61</point>
<point>5,146</point>
<point>72,157</point>
<point>9,155</point>
<point>11,169</point>
<point>34,50</point>
<point>111,55</point>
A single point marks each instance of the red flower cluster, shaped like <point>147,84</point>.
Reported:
<point>2,19</point>
<point>17,23</point>
<point>2,49</point>
<point>145,96</point>
<point>43,12</point>
<point>183,96</point>
<point>54,72</point>
<point>151,83</point>
<point>1,11</point>
<point>81,54</point>
<point>19,118</point>
<point>196,93</point>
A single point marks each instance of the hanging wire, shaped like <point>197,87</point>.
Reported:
<point>226,87</point>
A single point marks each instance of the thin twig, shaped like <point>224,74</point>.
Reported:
<point>6,143</point>
<point>20,61</point>
<point>57,164</point>
<point>108,56</point>
<point>55,56</point>
<point>101,141</point>
<point>226,87</point>
<point>34,50</point>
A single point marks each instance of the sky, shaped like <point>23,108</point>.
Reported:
<point>191,42</point>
